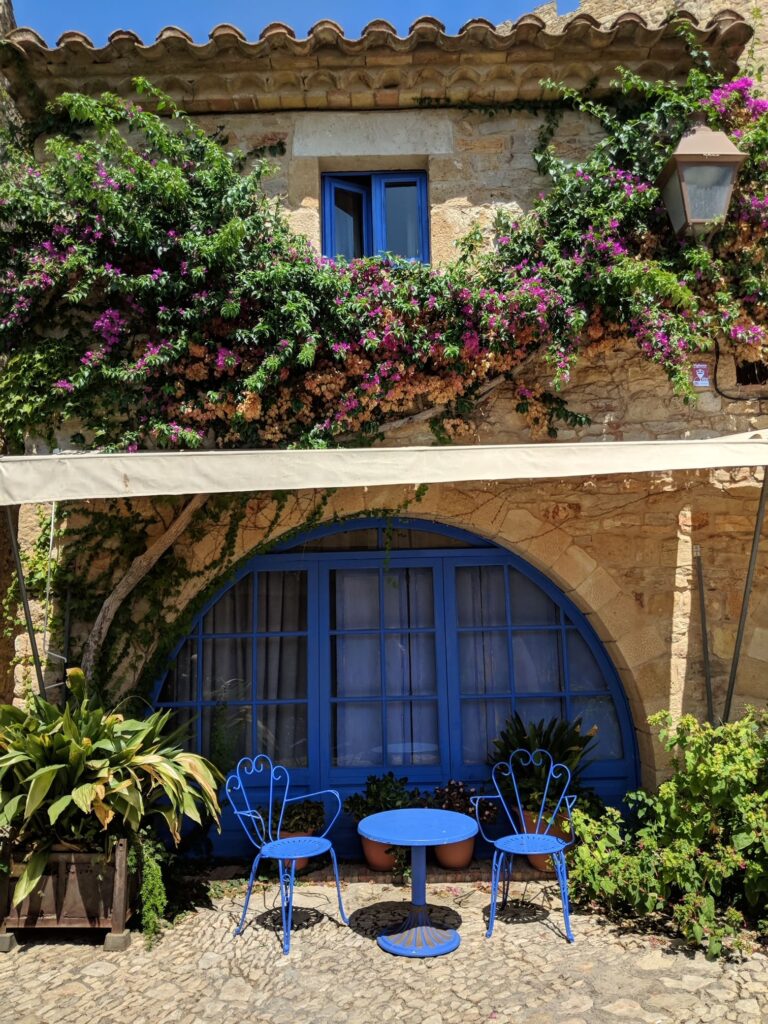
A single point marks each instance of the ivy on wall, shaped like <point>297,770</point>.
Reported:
<point>152,294</point>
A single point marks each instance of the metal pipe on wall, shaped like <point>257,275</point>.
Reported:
<point>704,634</point>
<point>745,598</point>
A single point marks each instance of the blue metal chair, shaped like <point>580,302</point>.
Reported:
<point>263,830</point>
<point>555,802</point>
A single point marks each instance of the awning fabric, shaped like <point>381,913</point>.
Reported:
<point>76,476</point>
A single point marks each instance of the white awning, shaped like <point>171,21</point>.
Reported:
<point>76,476</point>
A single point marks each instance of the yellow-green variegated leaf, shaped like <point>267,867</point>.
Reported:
<point>41,782</point>
<point>31,876</point>
<point>56,808</point>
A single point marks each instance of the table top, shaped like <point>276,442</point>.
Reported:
<point>418,826</point>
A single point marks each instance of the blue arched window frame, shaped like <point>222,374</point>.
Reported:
<point>612,778</point>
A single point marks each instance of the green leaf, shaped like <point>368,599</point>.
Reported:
<point>41,781</point>
<point>742,840</point>
<point>83,796</point>
<point>31,876</point>
<point>9,809</point>
<point>54,811</point>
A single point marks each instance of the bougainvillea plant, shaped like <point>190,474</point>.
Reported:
<point>152,292</point>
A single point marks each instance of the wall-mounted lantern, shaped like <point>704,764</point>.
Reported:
<point>698,179</point>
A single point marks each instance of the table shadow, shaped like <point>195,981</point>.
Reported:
<point>386,917</point>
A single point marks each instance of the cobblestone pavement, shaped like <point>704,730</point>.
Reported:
<point>526,973</point>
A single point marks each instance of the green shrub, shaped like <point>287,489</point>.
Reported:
<point>696,852</point>
<point>86,777</point>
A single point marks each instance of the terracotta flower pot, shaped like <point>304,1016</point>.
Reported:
<point>376,855</point>
<point>301,862</point>
<point>456,855</point>
<point>541,861</point>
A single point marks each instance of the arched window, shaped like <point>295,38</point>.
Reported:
<point>401,645</point>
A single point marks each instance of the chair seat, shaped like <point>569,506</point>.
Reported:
<point>295,847</point>
<point>531,842</point>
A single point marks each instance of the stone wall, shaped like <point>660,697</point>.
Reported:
<point>475,164</point>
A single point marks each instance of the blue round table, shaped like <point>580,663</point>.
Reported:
<point>418,827</point>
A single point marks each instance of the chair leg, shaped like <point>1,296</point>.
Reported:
<point>239,929</point>
<point>561,871</point>
<point>286,900</point>
<point>508,862</point>
<point>498,858</point>
<point>344,917</point>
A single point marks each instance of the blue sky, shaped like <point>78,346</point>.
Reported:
<point>97,18</point>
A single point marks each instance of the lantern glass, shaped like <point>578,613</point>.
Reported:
<point>709,190</point>
<point>672,194</point>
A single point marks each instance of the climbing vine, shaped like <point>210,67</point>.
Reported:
<point>152,293</point>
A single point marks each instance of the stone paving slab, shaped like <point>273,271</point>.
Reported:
<point>198,973</point>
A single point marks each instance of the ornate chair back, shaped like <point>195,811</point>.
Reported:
<point>261,825</point>
<point>555,800</point>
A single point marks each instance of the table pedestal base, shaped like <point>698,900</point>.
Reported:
<point>417,936</point>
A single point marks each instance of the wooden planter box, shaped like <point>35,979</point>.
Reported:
<point>77,890</point>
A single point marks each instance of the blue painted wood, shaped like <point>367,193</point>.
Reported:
<point>372,186</point>
<point>611,778</point>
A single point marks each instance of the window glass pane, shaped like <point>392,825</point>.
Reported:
<point>412,736</point>
<point>184,719</point>
<point>584,673</point>
<point>347,540</point>
<point>409,539</point>
<point>401,217</point>
<point>355,599</point>
<point>408,598</point>
<point>227,669</point>
<point>355,666</point>
<point>226,734</point>
<point>481,723</point>
<point>600,712</point>
<point>480,599</point>
<point>348,214</point>
<point>233,612</point>
<point>282,602</point>
<point>281,668</point>
<point>410,664</point>
<point>529,604</point>
<point>357,739</point>
<point>484,662</point>
<point>181,682</point>
<point>281,732</point>
<point>532,709</point>
<point>537,662</point>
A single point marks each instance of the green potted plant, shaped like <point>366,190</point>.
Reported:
<point>457,796</point>
<point>304,818</point>
<point>382,793</point>
<point>568,745</point>
<point>79,786</point>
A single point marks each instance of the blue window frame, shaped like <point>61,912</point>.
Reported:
<point>391,645</point>
<point>369,214</point>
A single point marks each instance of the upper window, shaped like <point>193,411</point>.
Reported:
<point>369,214</point>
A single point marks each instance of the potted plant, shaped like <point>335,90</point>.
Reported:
<point>568,745</point>
<point>382,793</point>
<point>79,787</point>
<point>457,796</point>
<point>303,818</point>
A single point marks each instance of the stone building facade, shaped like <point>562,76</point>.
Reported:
<point>618,548</point>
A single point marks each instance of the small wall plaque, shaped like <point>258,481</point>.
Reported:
<point>700,375</point>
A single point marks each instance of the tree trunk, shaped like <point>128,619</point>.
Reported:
<point>138,569</point>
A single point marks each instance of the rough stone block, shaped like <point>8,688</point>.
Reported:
<point>597,590</point>
<point>643,645</point>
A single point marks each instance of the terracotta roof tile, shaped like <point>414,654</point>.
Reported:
<point>294,73</point>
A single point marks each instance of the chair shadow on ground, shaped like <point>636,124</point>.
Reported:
<point>387,916</point>
<point>522,911</point>
<point>304,917</point>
